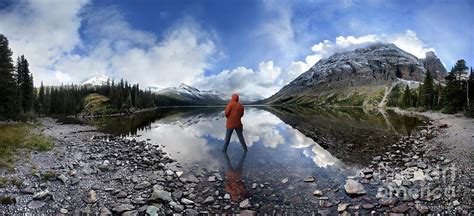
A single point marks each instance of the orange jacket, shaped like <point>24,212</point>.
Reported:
<point>233,112</point>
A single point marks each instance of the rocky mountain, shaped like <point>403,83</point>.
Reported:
<point>191,95</point>
<point>433,65</point>
<point>355,78</point>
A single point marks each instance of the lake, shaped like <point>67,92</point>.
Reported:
<point>286,146</point>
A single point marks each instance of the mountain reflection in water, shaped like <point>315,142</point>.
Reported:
<point>328,137</point>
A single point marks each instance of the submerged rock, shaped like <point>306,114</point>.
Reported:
<point>245,204</point>
<point>309,179</point>
<point>317,193</point>
<point>342,207</point>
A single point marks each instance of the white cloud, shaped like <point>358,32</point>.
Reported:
<point>50,39</point>
<point>44,31</point>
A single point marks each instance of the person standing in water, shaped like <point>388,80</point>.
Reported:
<point>234,112</point>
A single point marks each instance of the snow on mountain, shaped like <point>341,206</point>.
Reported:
<point>192,94</point>
<point>96,80</point>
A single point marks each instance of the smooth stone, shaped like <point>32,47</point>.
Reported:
<point>402,208</point>
<point>35,204</point>
<point>422,208</point>
<point>309,179</point>
<point>421,165</point>
<point>63,211</point>
<point>187,201</point>
<point>285,180</point>
<point>317,193</point>
<point>245,204</point>
<point>248,213</point>
<point>130,213</point>
<point>367,206</point>
<point>179,173</point>
<point>342,207</point>
<point>62,178</point>
<point>91,197</point>
<point>161,195</point>
<point>354,187</point>
<point>152,210</point>
<point>142,185</point>
<point>191,212</point>
<point>456,203</point>
<point>123,207</point>
<point>41,195</point>
<point>211,179</point>
<point>388,201</point>
<point>208,200</point>
<point>105,211</point>
<point>227,196</point>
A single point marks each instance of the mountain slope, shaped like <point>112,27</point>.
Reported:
<point>193,96</point>
<point>353,78</point>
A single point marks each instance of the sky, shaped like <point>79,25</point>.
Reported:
<point>251,47</point>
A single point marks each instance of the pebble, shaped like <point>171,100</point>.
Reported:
<point>285,180</point>
<point>353,187</point>
<point>91,197</point>
<point>309,179</point>
<point>123,207</point>
<point>342,207</point>
<point>317,193</point>
<point>35,204</point>
<point>422,208</point>
<point>402,208</point>
<point>208,200</point>
<point>245,204</point>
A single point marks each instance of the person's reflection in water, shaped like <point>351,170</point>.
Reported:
<point>234,185</point>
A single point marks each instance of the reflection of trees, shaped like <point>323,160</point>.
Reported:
<point>130,125</point>
<point>353,135</point>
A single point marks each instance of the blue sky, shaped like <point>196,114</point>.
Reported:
<point>250,47</point>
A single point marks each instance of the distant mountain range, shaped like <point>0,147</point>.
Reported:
<point>192,95</point>
<point>357,78</point>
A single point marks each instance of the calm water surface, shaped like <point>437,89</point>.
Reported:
<point>329,144</point>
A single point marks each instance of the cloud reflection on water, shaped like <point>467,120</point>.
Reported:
<point>195,136</point>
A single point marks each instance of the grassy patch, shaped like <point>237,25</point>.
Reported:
<point>3,181</point>
<point>6,200</point>
<point>48,175</point>
<point>19,136</point>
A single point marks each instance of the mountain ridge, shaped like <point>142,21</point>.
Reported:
<point>355,78</point>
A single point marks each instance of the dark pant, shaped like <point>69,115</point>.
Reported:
<point>228,134</point>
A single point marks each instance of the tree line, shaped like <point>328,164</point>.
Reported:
<point>17,94</point>
<point>20,100</point>
<point>455,95</point>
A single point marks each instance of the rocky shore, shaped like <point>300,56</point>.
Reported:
<point>88,172</point>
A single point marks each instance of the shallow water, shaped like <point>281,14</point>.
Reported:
<point>292,144</point>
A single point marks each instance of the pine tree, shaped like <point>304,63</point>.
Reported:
<point>25,84</point>
<point>427,92</point>
<point>41,99</point>
<point>8,89</point>
<point>406,98</point>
